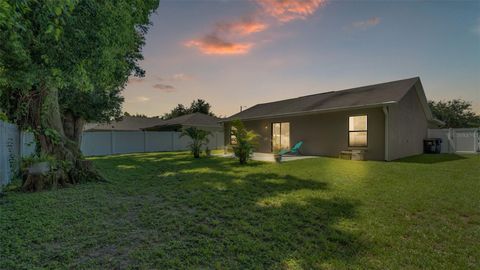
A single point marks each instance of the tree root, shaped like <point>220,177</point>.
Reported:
<point>58,178</point>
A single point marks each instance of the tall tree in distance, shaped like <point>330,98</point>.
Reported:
<point>197,106</point>
<point>456,113</point>
<point>63,63</point>
<point>179,110</point>
<point>200,106</point>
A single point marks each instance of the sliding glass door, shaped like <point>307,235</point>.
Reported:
<point>280,136</point>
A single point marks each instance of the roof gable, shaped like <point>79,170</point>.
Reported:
<point>371,95</point>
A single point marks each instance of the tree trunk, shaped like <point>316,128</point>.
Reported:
<point>73,127</point>
<point>69,167</point>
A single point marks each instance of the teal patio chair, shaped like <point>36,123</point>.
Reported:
<point>295,149</point>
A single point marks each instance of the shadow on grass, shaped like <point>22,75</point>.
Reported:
<point>170,211</point>
<point>431,158</point>
<point>213,212</point>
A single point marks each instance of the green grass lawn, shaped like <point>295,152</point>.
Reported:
<point>167,210</point>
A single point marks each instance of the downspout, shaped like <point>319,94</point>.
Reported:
<point>385,112</point>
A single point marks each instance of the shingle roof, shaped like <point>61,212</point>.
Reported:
<point>194,119</point>
<point>128,123</point>
<point>376,94</point>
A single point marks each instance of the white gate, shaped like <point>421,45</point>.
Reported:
<point>457,140</point>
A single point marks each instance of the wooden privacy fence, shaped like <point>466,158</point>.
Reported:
<point>458,140</point>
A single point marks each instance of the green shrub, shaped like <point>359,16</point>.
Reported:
<point>199,138</point>
<point>245,141</point>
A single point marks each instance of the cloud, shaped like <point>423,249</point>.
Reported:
<point>181,77</point>
<point>289,10</point>
<point>166,88</point>
<point>366,24</point>
<point>226,37</point>
<point>213,44</point>
<point>246,26</point>
<point>142,98</point>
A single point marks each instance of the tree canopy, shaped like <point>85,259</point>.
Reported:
<point>197,106</point>
<point>84,48</point>
<point>456,113</point>
<point>66,62</point>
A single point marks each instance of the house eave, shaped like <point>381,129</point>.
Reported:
<point>346,108</point>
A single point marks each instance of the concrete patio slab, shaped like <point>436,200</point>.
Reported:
<point>268,157</point>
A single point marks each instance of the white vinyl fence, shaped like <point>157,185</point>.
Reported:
<point>9,151</point>
<point>103,143</point>
<point>457,140</point>
<point>15,144</point>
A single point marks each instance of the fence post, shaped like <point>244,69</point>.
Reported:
<point>112,143</point>
<point>144,141</point>
<point>476,137</point>
<point>451,141</point>
<point>3,171</point>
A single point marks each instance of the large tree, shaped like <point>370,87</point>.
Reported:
<point>456,113</point>
<point>197,106</point>
<point>63,63</point>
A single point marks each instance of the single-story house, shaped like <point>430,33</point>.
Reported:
<point>198,120</point>
<point>126,123</point>
<point>387,121</point>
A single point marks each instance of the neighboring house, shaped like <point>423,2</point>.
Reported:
<point>388,121</point>
<point>127,123</point>
<point>199,120</point>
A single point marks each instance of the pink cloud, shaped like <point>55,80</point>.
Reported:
<point>142,99</point>
<point>212,44</point>
<point>289,10</point>
<point>219,41</point>
<point>366,24</point>
<point>246,26</point>
<point>181,77</point>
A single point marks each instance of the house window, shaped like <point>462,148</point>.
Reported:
<point>357,131</point>
<point>233,138</point>
<point>280,136</point>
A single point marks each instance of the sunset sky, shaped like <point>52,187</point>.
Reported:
<point>240,53</point>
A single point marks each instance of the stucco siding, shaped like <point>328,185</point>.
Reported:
<point>408,127</point>
<point>324,134</point>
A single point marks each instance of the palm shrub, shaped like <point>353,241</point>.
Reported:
<point>246,141</point>
<point>199,138</point>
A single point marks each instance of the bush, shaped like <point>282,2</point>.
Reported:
<point>199,138</point>
<point>246,141</point>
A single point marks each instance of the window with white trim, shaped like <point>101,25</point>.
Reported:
<point>357,131</point>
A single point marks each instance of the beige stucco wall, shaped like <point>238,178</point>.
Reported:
<point>407,127</point>
<point>324,134</point>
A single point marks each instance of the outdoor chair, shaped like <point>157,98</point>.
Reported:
<point>295,149</point>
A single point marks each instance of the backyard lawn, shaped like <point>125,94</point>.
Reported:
<point>167,210</point>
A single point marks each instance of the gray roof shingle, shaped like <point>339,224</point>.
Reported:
<point>350,98</point>
<point>127,123</point>
<point>193,119</point>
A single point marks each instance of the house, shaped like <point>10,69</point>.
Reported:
<point>199,120</point>
<point>387,121</point>
<point>126,123</point>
